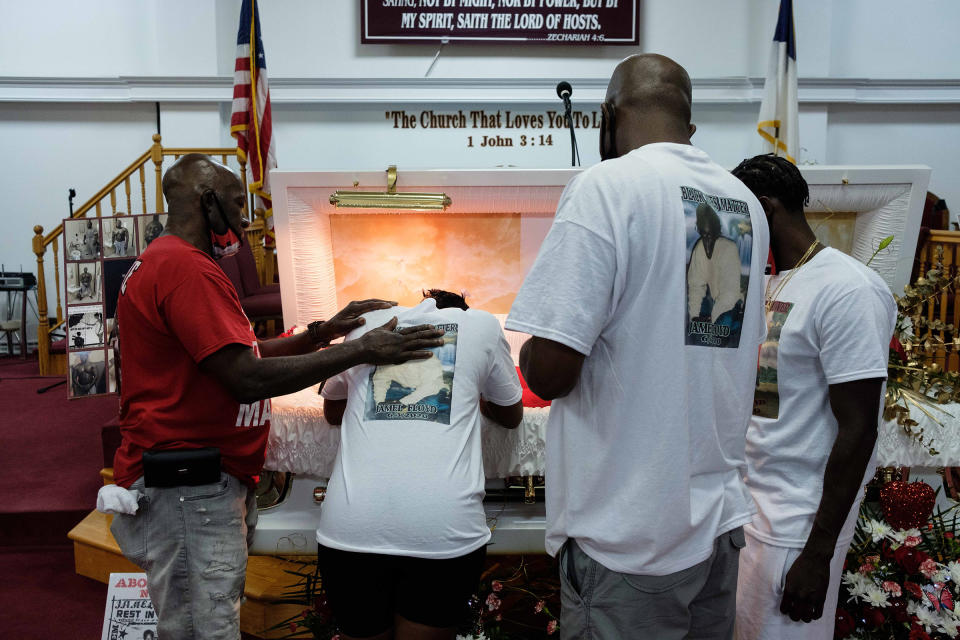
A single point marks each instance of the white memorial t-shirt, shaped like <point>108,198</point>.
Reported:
<point>644,456</point>
<point>830,323</point>
<point>408,479</point>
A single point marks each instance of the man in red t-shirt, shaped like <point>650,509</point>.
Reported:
<point>195,376</point>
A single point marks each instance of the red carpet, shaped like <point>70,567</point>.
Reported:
<point>41,597</point>
<point>51,451</point>
<point>51,445</point>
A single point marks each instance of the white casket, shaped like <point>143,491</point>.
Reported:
<point>484,243</point>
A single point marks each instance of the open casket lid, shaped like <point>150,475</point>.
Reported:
<point>851,207</point>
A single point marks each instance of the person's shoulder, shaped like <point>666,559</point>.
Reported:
<point>847,269</point>
<point>844,274</point>
<point>375,319</point>
<point>482,318</point>
<point>635,164</point>
<point>172,260</point>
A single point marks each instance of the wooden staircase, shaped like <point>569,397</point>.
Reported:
<point>97,555</point>
<point>123,196</point>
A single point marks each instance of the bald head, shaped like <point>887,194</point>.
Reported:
<point>651,82</point>
<point>203,197</point>
<point>190,177</point>
<point>651,95</point>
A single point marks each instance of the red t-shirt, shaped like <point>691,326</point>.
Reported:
<point>177,307</point>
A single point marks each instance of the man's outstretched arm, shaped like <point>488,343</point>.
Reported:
<point>249,378</point>
<point>856,406</point>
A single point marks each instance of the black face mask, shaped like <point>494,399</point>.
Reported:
<point>608,132</point>
<point>224,244</point>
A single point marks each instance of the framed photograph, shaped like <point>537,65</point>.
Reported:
<point>83,282</point>
<point>150,227</point>
<point>118,237</point>
<point>81,239</point>
<point>85,327</point>
<point>87,371</point>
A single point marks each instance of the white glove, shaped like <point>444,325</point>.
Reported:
<point>112,498</point>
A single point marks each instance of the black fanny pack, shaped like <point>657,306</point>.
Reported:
<point>181,467</point>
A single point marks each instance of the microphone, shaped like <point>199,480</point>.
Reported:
<point>564,91</point>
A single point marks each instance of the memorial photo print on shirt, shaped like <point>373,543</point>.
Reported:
<point>417,389</point>
<point>719,247</point>
<point>766,398</point>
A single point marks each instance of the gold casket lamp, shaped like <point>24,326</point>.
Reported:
<point>390,199</point>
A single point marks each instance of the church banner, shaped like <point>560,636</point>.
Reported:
<point>500,21</point>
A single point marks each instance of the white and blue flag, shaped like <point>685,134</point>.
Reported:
<point>777,123</point>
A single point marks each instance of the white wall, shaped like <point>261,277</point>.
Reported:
<point>53,147</point>
<point>927,134</point>
<point>181,53</point>
<point>58,38</point>
<point>917,39</point>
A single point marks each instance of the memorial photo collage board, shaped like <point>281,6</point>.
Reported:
<point>97,254</point>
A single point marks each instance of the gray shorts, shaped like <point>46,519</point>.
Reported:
<point>698,602</point>
<point>192,543</point>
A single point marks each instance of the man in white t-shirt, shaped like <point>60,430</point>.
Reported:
<point>645,441</point>
<point>402,531</point>
<point>811,441</point>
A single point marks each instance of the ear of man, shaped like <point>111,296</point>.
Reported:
<point>767,203</point>
<point>208,202</point>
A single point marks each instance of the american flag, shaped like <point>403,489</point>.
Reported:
<point>251,123</point>
<point>779,110</point>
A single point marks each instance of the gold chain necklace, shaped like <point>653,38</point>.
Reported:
<point>806,256</point>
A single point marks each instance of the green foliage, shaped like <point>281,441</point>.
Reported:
<point>917,379</point>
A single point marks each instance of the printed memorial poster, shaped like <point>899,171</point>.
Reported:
<point>766,398</point>
<point>719,249</point>
<point>417,389</point>
<point>129,614</point>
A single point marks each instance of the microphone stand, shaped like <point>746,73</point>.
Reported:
<point>564,91</point>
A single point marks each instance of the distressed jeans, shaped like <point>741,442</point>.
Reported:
<point>192,543</point>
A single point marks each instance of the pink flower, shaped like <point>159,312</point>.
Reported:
<point>892,588</point>
<point>551,627</point>
<point>911,541</point>
<point>928,568</point>
<point>539,606</point>
<point>493,602</point>
<point>496,585</point>
<point>872,559</point>
<point>866,568</point>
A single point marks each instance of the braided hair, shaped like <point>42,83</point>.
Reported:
<point>774,177</point>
